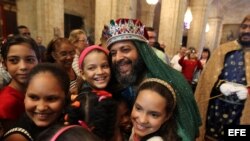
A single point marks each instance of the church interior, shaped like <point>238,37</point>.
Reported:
<point>192,24</point>
<point>197,23</point>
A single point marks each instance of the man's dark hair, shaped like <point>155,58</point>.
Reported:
<point>16,32</point>
<point>149,29</point>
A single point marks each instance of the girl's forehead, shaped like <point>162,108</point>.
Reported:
<point>23,48</point>
<point>21,44</point>
<point>45,79</point>
<point>44,74</point>
<point>96,52</point>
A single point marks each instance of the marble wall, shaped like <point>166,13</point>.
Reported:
<point>45,17</point>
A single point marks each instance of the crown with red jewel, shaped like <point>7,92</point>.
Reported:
<point>125,29</point>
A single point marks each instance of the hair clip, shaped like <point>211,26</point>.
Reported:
<point>76,104</point>
<point>4,41</point>
<point>102,94</point>
<point>84,125</point>
<point>59,132</point>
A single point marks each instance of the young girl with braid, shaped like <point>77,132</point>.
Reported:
<point>94,108</point>
<point>153,112</point>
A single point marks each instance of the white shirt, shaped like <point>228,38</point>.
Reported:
<point>175,62</point>
<point>75,65</point>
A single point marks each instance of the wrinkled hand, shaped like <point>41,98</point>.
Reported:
<point>241,92</point>
<point>227,88</point>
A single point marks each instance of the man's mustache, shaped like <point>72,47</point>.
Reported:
<point>245,34</point>
<point>124,61</point>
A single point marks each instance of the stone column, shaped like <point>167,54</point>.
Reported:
<point>213,35</point>
<point>105,10</point>
<point>101,19</point>
<point>171,24</point>
<point>146,13</point>
<point>26,15</point>
<point>44,18</point>
<point>126,8</point>
<point>196,33</point>
<point>50,19</point>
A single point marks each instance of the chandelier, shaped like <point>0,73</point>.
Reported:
<point>152,2</point>
<point>188,18</point>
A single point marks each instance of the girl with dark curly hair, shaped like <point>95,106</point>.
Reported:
<point>94,107</point>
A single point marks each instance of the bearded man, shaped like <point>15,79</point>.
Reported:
<point>133,61</point>
<point>223,86</point>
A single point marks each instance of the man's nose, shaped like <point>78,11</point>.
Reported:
<point>119,56</point>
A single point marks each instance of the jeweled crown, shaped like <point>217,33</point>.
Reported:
<point>125,29</point>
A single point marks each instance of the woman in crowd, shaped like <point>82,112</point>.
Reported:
<point>62,52</point>
<point>79,39</point>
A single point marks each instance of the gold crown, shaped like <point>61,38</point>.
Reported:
<point>125,29</point>
<point>164,83</point>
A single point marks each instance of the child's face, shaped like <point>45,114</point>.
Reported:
<point>64,55</point>
<point>44,99</point>
<point>149,113</point>
<point>20,60</point>
<point>96,70</point>
<point>124,117</point>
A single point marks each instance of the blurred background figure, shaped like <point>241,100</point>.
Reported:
<point>104,37</point>
<point>158,46</point>
<point>152,40</point>
<point>205,55</point>
<point>78,38</point>
<point>190,65</point>
<point>175,60</point>
<point>41,47</point>
<point>22,30</point>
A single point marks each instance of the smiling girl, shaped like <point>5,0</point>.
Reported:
<point>45,99</point>
<point>20,54</point>
<point>94,106</point>
<point>152,113</point>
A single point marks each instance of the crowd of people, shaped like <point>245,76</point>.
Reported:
<point>124,89</point>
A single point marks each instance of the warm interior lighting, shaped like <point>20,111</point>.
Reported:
<point>188,18</point>
<point>207,27</point>
<point>152,2</point>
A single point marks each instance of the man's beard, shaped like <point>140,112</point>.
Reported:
<point>244,43</point>
<point>136,71</point>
